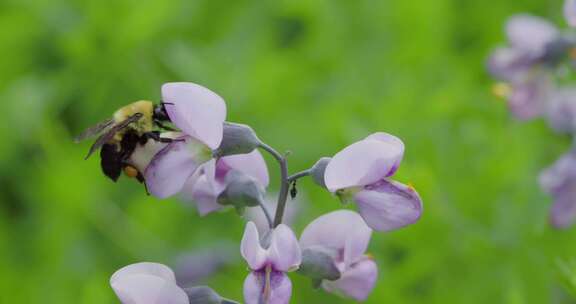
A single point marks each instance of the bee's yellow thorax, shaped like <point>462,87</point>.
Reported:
<point>145,124</point>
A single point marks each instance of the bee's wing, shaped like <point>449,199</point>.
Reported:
<point>94,130</point>
<point>106,137</point>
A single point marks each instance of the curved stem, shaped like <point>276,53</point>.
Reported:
<point>298,175</point>
<point>266,214</point>
<point>284,185</point>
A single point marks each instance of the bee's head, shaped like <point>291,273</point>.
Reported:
<point>160,113</point>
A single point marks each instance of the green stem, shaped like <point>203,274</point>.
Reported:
<point>284,184</point>
<point>298,175</point>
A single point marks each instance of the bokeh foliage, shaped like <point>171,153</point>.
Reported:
<point>310,77</point>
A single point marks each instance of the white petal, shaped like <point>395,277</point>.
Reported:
<point>389,205</point>
<point>250,247</point>
<point>196,110</point>
<point>570,12</point>
<point>342,230</point>
<point>363,163</point>
<point>284,251</point>
<point>148,289</point>
<point>172,166</point>
<point>357,282</point>
<point>252,164</point>
<point>530,33</point>
<point>149,268</point>
<point>147,283</point>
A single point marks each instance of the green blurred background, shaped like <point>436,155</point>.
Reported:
<point>311,77</point>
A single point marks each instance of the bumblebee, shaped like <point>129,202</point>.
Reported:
<point>119,136</point>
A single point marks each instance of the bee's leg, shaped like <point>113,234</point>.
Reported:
<point>163,126</point>
<point>140,178</point>
<point>155,135</point>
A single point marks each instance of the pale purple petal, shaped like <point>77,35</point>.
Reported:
<point>506,63</point>
<point>570,12</point>
<point>343,230</point>
<point>198,265</point>
<point>280,288</point>
<point>388,205</point>
<point>356,282</point>
<point>202,193</point>
<point>172,166</point>
<point>251,164</point>
<point>561,110</point>
<point>251,249</point>
<point>563,209</point>
<point>148,289</point>
<point>560,174</point>
<point>393,141</point>
<point>530,96</point>
<point>284,251</point>
<point>209,169</point>
<point>362,163</point>
<point>147,283</point>
<point>196,110</point>
<point>559,180</point>
<point>530,33</point>
<point>253,288</point>
<point>155,269</point>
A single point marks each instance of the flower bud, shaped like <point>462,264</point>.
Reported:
<point>205,295</point>
<point>241,191</point>
<point>237,139</point>
<point>317,171</point>
<point>318,264</point>
<point>555,51</point>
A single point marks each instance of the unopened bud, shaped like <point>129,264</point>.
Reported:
<point>555,50</point>
<point>317,171</point>
<point>241,191</point>
<point>237,139</point>
<point>318,264</point>
<point>205,295</point>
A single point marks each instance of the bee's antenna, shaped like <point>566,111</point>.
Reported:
<point>146,188</point>
<point>165,103</point>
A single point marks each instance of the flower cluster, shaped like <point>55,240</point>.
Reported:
<point>533,74</point>
<point>218,166</point>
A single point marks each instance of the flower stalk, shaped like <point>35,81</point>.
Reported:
<point>284,182</point>
<point>298,175</point>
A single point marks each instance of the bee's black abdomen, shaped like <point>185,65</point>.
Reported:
<point>128,144</point>
<point>111,161</point>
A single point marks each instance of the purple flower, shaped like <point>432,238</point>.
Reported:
<point>507,63</point>
<point>269,259</point>
<point>528,39</point>
<point>361,173</point>
<point>530,34</point>
<point>561,110</point>
<point>200,114</point>
<point>521,64</point>
<point>346,236</point>
<point>210,179</point>
<point>196,266</point>
<point>530,94</point>
<point>559,180</point>
<point>147,283</point>
<point>570,12</point>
